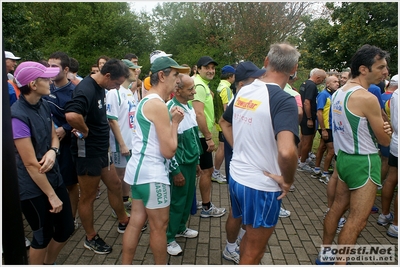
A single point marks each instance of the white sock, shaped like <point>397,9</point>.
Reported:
<point>216,171</point>
<point>241,233</point>
<point>231,246</point>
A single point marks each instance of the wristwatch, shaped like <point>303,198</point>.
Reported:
<point>56,150</point>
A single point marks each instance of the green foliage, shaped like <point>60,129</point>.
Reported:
<point>330,43</point>
<point>19,31</point>
<point>83,30</point>
<point>227,31</point>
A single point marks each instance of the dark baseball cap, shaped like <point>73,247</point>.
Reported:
<point>247,69</point>
<point>204,61</point>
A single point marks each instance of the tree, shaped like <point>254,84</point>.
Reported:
<point>83,30</point>
<point>19,29</point>
<point>331,43</point>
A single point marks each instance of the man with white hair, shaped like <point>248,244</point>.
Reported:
<point>309,91</point>
<point>263,117</point>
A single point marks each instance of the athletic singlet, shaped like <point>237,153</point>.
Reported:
<point>352,133</point>
<point>147,163</point>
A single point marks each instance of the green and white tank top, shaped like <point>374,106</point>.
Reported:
<point>351,133</point>
<point>147,164</point>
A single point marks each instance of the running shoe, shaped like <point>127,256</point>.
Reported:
<point>218,177</point>
<point>212,212</point>
<point>384,219</point>
<point>173,248</point>
<point>341,223</point>
<point>305,167</point>
<point>188,233</point>
<point>374,209</point>
<point>97,245</point>
<point>231,255</point>
<point>284,213</point>
<point>393,231</point>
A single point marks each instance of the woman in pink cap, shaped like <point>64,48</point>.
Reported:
<point>44,197</point>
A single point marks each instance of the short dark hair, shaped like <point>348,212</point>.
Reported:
<point>116,68</point>
<point>102,57</point>
<point>63,57</point>
<point>44,62</point>
<point>25,90</point>
<point>366,56</point>
<point>226,76</point>
<point>73,65</point>
<point>129,56</point>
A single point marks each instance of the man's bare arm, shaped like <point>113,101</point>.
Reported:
<point>226,130</point>
<point>287,155</point>
<point>201,119</point>
<point>77,122</point>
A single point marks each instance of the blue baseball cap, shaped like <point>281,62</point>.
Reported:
<point>247,69</point>
<point>227,69</point>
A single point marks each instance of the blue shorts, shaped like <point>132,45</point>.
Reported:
<point>384,150</point>
<point>257,208</point>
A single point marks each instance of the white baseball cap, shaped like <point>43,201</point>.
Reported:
<point>394,79</point>
<point>10,55</point>
<point>156,54</point>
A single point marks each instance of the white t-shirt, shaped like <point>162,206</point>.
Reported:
<point>394,107</point>
<point>121,106</point>
<point>259,112</point>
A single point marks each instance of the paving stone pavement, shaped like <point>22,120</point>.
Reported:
<point>296,239</point>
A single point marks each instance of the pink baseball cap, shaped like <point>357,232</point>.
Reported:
<point>29,71</point>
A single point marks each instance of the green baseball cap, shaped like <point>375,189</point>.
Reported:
<point>130,65</point>
<point>163,63</point>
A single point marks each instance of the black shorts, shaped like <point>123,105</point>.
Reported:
<point>330,136</point>
<point>92,166</point>
<point>393,161</point>
<point>65,161</point>
<point>46,225</point>
<point>304,129</point>
<point>221,137</point>
<point>206,159</point>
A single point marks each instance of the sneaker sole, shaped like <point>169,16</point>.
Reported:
<point>187,236</point>
<point>382,224</point>
<point>172,254</point>
<point>120,231</point>
<point>392,235</point>
<point>95,251</point>
<point>229,258</point>
<point>217,181</point>
<point>215,216</point>
<point>324,182</point>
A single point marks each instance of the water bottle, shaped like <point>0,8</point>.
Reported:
<point>79,134</point>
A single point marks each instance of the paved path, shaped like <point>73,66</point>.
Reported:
<point>296,239</point>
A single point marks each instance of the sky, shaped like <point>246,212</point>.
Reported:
<point>143,5</point>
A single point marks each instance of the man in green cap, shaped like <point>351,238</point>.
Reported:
<point>154,143</point>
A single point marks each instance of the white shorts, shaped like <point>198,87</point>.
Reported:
<point>119,160</point>
<point>153,195</point>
